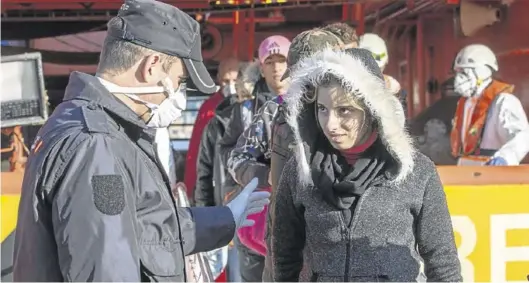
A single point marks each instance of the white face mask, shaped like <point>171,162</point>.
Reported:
<point>162,115</point>
<point>471,81</point>
<point>229,90</point>
<point>465,83</point>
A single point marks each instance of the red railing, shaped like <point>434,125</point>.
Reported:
<point>90,4</point>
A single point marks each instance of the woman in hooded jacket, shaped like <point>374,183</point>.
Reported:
<point>355,194</point>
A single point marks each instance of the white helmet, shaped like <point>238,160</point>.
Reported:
<point>476,55</point>
<point>377,46</point>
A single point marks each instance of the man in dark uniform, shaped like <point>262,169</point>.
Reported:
<point>96,204</point>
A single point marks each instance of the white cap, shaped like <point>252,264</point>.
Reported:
<point>377,46</point>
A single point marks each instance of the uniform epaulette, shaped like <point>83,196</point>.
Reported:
<point>95,119</point>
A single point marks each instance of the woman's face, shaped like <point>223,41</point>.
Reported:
<point>340,117</point>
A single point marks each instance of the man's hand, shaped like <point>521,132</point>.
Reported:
<point>248,202</point>
<point>497,161</point>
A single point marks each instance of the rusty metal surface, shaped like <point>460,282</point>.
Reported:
<point>102,10</point>
<point>11,182</point>
<point>486,175</point>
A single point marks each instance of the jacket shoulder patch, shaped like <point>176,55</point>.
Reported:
<point>109,193</point>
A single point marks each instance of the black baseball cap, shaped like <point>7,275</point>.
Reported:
<point>166,29</point>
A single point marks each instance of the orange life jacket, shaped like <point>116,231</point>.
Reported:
<point>477,123</point>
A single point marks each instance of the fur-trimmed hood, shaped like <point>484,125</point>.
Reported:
<point>248,77</point>
<point>356,72</point>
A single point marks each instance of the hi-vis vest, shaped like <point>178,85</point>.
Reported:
<point>474,131</point>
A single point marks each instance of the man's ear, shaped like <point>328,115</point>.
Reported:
<point>152,68</point>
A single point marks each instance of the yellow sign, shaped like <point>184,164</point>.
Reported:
<point>9,213</point>
<point>491,225</point>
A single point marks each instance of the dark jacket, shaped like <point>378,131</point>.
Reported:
<point>96,204</point>
<point>205,114</point>
<point>373,223</point>
<point>240,130</point>
<point>250,156</point>
<point>214,185</point>
<point>211,171</point>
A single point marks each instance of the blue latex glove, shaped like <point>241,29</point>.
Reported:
<point>497,161</point>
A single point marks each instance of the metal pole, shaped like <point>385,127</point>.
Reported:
<point>251,35</point>
<point>359,17</point>
<point>345,12</point>
<point>409,78</point>
<point>420,63</point>
<point>235,33</point>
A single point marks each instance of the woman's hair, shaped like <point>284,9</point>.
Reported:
<point>329,81</point>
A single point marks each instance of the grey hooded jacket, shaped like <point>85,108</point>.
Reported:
<point>396,224</point>
<point>96,204</point>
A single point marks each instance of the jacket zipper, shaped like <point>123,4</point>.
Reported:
<point>347,254</point>
<point>349,234</point>
<point>171,200</point>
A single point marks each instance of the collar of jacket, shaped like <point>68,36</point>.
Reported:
<point>224,109</point>
<point>86,87</point>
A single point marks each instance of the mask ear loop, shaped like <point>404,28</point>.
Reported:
<point>479,81</point>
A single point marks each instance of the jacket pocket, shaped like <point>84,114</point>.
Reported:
<point>162,260</point>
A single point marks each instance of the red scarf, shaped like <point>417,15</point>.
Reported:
<point>352,154</point>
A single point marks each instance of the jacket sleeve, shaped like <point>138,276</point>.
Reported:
<point>251,146</point>
<point>287,233</point>
<point>93,215</point>
<point>206,228</point>
<point>435,235</point>
<point>233,131</point>
<point>204,191</point>
<point>513,129</point>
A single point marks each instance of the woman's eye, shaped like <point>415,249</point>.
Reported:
<point>344,111</point>
<point>321,108</point>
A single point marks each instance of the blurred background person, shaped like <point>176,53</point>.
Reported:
<point>226,76</point>
<point>490,125</point>
<point>345,32</point>
<point>377,46</point>
<point>272,53</point>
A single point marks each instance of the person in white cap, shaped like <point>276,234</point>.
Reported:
<point>490,126</point>
<point>377,46</point>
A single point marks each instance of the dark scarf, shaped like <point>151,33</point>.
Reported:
<point>261,94</point>
<point>341,184</point>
